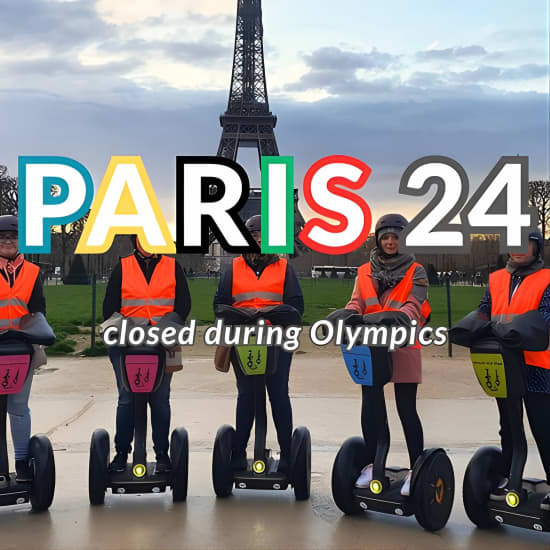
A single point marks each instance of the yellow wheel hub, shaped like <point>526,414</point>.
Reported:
<point>139,470</point>
<point>375,487</point>
<point>512,499</point>
<point>258,467</point>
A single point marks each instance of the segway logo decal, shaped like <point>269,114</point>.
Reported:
<point>359,364</point>
<point>489,369</point>
<point>13,372</point>
<point>439,490</point>
<point>253,359</point>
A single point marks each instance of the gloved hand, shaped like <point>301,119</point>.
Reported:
<point>343,314</point>
<point>471,328</point>
<point>527,332</point>
<point>388,318</point>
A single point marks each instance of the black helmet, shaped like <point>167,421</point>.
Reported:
<point>254,223</point>
<point>8,222</point>
<point>389,223</point>
<point>536,236</point>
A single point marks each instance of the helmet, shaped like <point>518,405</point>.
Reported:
<point>254,223</point>
<point>536,236</point>
<point>389,223</point>
<point>8,222</point>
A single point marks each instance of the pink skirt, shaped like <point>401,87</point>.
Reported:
<point>407,366</point>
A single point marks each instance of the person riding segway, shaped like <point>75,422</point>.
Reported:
<point>391,289</point>
<point>142,371</point>
<point>260,286</point>
<point>144,287</point>
<point>508,338</point>
<point>23,330</point>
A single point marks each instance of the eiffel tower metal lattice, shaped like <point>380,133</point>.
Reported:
<point>248,122</point>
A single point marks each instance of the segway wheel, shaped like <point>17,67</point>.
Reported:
<point>179,455</point>
<point>43,467</point>
<point>222,473</point>
<point>433,491</point>
<point>98,469</point>
<point>351,458</point>
<point>300,465</point>
<point>482,476</point>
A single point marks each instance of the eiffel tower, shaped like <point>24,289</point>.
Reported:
<point>248,122</point>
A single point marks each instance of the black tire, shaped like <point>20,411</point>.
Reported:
<point>433,491</point>
<point>43,467</point>
<point>482,475</point>
<point>351,458</point>
<point>222,473</point>
<point>98,469</point>
<point>179,455</point>
<point>300,463</point>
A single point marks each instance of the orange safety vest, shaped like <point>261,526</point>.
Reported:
<point>398,296</point>
<point>148,300</point>
<point>14,300</point>
<point>254,292</point>
<point>526,297</point>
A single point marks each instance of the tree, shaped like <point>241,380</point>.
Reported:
<point>539,197</point>
<point>8,192</point>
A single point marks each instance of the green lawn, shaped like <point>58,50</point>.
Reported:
<point>69,306</point>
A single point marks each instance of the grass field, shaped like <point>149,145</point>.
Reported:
<point>69,308</point>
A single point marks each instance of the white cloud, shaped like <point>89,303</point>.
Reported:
<point>121,12</point>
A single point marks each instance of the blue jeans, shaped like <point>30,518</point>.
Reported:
<point>159,402</point>
<point>20,418</point>
<point>277,390</point>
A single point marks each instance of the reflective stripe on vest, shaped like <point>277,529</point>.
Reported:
<point>526,298</point>
<point>398,296</point>
<point>254,292</point>
<point>14,300</point>
<point>147,300</point>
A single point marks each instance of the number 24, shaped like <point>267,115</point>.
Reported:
<point>489,210</point>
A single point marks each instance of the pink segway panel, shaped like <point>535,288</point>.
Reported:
<point>13,372</point>
<point>142,372</point>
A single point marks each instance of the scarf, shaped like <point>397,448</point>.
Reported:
<point>9,266</point>
<point>387,269</point>
<point>522,270</point>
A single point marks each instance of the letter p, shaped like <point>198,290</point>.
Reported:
<point>38,209</point>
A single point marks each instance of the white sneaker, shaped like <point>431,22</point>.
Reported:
<point>406,489</point>
<point>363,481</point>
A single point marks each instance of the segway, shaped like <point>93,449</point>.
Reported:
<point>142,371</point>
<point>432,483</point>
<point>262,470</point>
<point>15,358</point>
<point>499,366</point>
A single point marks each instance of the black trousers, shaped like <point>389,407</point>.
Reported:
<point>537,406</point>
<point>277,389</point>
<point>374,405</point>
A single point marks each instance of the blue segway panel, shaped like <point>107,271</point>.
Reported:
<point>359,364</point>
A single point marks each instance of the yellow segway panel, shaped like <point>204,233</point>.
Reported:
<point>489,369</point>
<point>253,359</point>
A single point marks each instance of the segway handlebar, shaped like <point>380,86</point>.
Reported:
<point>282,315</point>
<point>33,329</point>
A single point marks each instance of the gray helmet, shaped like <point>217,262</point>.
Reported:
<point>254,223</point>
<point>390,223</point>
<point>8,222</point>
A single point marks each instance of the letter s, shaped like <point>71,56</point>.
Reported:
<point>324,194</point>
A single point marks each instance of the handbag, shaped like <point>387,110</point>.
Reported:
<point>222,357</point>
<point>174,360</point>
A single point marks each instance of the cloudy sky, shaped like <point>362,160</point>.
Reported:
<point>387,82</point>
